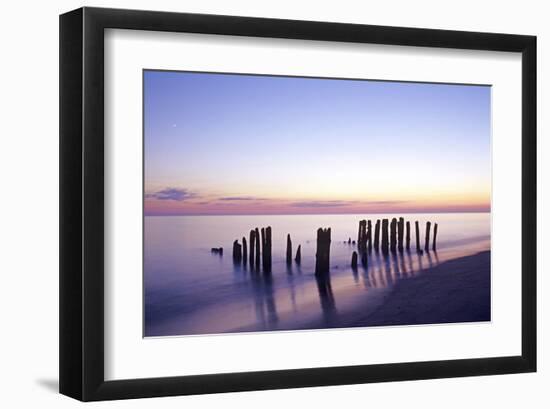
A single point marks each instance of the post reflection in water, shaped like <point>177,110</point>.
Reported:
<point>381,272</point>
<point>355,273</point>
<point>429,257</point>
<point>264,299</point>
<point>420,267</point>
<point>402,263</point>
<point>290,281</point>
<point>326,298</point>
<point>393,271</point>
<point>409,260</point>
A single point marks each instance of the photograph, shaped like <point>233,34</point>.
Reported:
<point>276,203</point>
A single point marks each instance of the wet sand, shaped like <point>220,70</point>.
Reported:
<point>458,290</point>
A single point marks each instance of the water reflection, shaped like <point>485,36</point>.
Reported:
<point>409,261</point>
<point>381,271</point>
<point>402,265</point>
<point>292,287</point>
<point>326,298</point>
<point>264,299</point>
<point>429,257</point>
<point>420,266</point>
<point>355,272</point>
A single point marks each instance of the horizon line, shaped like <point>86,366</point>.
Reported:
<point>309,214</point>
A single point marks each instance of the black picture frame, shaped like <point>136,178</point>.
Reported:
<point>82,194</point>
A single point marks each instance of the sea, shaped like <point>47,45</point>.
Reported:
<point>189,290</point>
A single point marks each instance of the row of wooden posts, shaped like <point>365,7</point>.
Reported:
<point>392,238</point>
<point>399,231</point>
<point>260,248</point>
<point>395,236</point>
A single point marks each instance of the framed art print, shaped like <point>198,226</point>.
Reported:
<point>256,203</point>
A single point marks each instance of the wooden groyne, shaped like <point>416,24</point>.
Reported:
<point>385,236</point>
<point>257,255</point>
<point>288,250</point>
<point>237,252</point>
<point>245,255</point>
<point>298,258</point>
<point>259,246</point>
<point>393,235</point>
<point>266,249</point>
<point>364,239</point>
<point>400,233</point>
<point>369,236</point>
<point>427,244</point>
<point>252,237</point>
<point>322,255</point>
<point>377,235</point>
<point>362,236</point>
<point>417,230</point>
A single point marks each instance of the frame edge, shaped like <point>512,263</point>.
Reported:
<point>71,339</point>
<point>529,202</point>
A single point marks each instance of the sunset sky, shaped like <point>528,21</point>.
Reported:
<point>247,144</point>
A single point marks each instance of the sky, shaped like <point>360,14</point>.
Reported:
<point>250,144</point>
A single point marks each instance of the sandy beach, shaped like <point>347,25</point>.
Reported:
<point>455,291</point>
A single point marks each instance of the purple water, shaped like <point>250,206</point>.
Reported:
<point>189,290</point>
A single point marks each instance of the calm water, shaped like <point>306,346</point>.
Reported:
<point>188,290</point>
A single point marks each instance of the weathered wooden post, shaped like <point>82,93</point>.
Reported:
<point>385,236</point>
<point>377,235</point>
<point>417,229</point>
<point>393,235</point>
<point>400,231</point>
<point>369,236</point>
<point>257,255</point>
<point>245,251</point>
<point>267,250</point>
<point>362,236</point>
<point>435,236</point>
<point>298,258</point>
<point>288,249</point>
<point>354,260</point>
<point>262,238</point>
<point>408,235</point>
<point>237,254</point>
<point>427,244</point>
<point>252,238</point>
<point>322,256</point>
